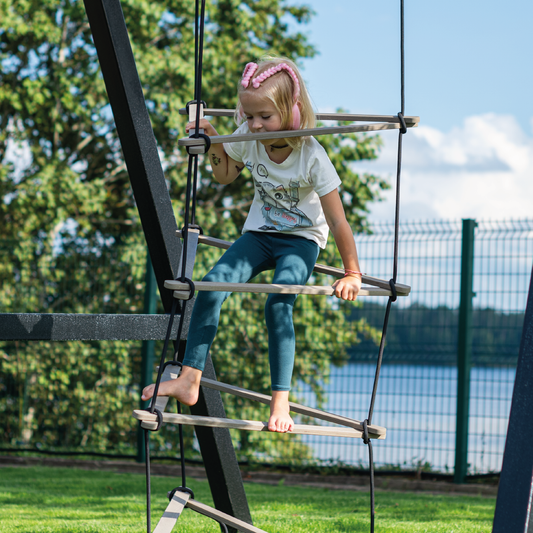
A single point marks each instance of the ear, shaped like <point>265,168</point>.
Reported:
<point>296,116</point>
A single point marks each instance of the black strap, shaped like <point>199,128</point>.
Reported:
<point>207,143</point>
<point>171,493</point>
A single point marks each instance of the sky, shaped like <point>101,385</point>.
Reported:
<point>468,76</point>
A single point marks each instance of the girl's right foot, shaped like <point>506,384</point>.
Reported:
<point>280,420</point>
<point>185,388</point>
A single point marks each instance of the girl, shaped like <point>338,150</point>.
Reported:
<point>296,201</point>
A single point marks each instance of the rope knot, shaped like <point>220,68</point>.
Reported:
<point>392,285</point>
<point>205,147</point>
<point>403,125</point>
<point>192,288</point>
<point>366,438</point>
<point>159,415</point>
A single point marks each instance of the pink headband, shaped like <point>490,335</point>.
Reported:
<point>250,70</point>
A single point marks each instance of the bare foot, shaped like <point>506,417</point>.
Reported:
<point>185,388</point>
<point>280,419</point>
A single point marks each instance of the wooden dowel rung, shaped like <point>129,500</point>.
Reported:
<point>374,431</point>
<point>401,289</point>
<point>213,241</point>
<point>267,288</point>
<point>334,130</point>
<point>248,425</point>
<point>342,117</point>
<point>172,512</point>
<point>219,516</point>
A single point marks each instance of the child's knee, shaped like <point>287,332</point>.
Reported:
<point>279,306</point>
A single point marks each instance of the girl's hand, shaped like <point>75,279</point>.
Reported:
<point>204,125</point>
<point>348,287</point>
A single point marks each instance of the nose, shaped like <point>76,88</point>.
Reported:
<point>257,125</point>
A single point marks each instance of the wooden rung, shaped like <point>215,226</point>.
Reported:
<point>333,130</point>
<point>248,425</point>
<point>401,289</point>
<point>374,431</point>
<point>342,117</point>
<point>172,512</point>
<point>268,288</point>
<point>219,516</point>
<point>192,112</point>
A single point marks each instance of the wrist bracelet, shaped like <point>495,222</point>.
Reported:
<point>348,271</point>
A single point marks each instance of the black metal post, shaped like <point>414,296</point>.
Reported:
<point>514,513</point>
<point>159,225</point>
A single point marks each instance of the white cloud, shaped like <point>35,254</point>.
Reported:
<point>482,169</point>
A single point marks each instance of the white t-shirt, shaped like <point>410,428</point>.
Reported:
<point>287,195</point>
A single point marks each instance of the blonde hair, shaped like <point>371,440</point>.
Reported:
<point>280,90</point>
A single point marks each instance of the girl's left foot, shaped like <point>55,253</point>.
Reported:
<point>280,420</point>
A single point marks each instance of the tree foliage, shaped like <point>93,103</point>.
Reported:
<point>67,204</point>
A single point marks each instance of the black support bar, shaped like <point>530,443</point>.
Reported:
<point>515,491</point>
<point>136,137</point>
<point>76,327</point>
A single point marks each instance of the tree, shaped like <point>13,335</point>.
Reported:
<point>71,201</point>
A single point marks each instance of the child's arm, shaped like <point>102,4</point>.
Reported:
<point>348,287</point>
<point>225,169</point>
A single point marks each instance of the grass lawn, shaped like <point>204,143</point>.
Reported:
<point>65,500</point>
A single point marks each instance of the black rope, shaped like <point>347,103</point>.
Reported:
<point>148,483</point>
<point>379,361</point>
<point>194,191</point>
<point>198,61</point>
<point>190,219</point>
<point>182,455</point>
<point>402,57</point>
<point>163,353</point>
<point>392,282</point>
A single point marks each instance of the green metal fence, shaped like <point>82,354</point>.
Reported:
<point>418,393</point>
<point>417,397</point>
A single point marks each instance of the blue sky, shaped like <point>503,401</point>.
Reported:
<point>469,76</point>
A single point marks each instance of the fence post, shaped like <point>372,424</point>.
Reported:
<point>464,351</point>
<point>147,350</point>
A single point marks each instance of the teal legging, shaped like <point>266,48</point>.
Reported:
<point>293,259</point>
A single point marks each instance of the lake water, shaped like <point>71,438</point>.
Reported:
<point>417,405</point>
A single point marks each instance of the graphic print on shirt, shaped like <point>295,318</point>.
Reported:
<point>279,209</point>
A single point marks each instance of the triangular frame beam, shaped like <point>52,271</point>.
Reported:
<point>514,505</point>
